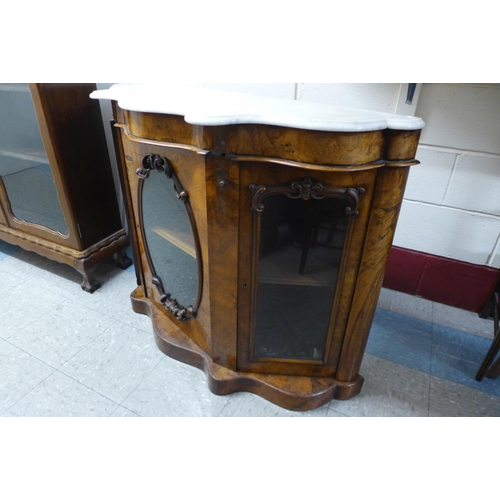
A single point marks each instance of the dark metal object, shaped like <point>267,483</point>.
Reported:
<point>305,190</point>
<point>163,165</point>
<point>486,368</point>
<point>411,92</point>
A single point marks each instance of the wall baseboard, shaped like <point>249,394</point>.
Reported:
<point>447,281</point>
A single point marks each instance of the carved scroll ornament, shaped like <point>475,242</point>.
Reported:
<point>307,189</point>
<point>180,312</point>
<point>162,165</point>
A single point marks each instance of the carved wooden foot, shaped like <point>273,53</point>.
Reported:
<point>90,284</point>
<point>122,259</point>
<point>86,268</point>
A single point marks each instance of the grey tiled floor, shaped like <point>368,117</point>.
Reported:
<point>64,352</point>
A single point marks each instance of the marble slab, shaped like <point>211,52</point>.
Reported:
<point>202,106</point>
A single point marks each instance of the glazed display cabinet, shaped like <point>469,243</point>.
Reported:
<point>261,230</point>
<point>57,194</point>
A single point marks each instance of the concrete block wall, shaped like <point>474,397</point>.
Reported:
<point>375,96</point>
<point>452,200</point>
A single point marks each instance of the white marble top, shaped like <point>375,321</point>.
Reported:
<point>201,106</point>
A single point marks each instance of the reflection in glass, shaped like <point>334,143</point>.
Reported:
<point>301,244</point>
<point>169,238</point>
<point>24,168</point>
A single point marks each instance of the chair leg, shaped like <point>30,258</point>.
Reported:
<point>311,235</point>
<point>305,251</point>
<point>493,350</point>
<point>494,371</point>
<point>489,358</point>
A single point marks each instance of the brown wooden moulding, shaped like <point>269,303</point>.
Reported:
<point>308,146</point>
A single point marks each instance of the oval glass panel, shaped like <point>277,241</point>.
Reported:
<point>170,243</point>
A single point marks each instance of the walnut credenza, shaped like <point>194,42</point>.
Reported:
<point>261,230</point>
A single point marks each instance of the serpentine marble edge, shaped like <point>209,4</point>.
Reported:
<point>201,106</point>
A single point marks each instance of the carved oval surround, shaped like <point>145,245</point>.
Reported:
<point>173,252</point>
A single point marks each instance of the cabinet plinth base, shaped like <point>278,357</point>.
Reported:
<point>288,391</point>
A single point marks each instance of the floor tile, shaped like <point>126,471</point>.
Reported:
<point>60,278</point>
<point>174,389</point>
<point>457,356</point>
<point>23,305</point>
<point>109,364</point>
<point>245,404</point>
<point>8,282</point>
<point>449,399</point>
<point>402,303</point>
<point>61,333</point>
<point>115,362</point>
<point>19,374</point>
<point>6,249</point>
<point>389,390</point>
<point>333,413</point>
<point>65,281</point>
<point>40,270</point>
<point>401,339</point>
<point>462,320</point>
<point>119,285</point>
<point>123,412</point>
<point>440,314</point>
<point>60,396</point>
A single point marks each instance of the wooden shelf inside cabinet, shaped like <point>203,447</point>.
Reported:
<point>57,194</point>
<point>178,239</point>
<point>262,256</point>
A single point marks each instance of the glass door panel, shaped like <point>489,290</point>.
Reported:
<point>301,246</point>
<point>171,238</point>
<point>300,232</point>
<point>24,168</point>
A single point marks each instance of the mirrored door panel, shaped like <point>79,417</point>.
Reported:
<point>24,168</point>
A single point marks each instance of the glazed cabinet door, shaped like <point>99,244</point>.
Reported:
<point>56,181</point>
<point>169,218</point>
<point>298,267</point>
<point>28,191</point>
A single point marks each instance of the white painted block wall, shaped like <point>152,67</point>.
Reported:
<point>452,200</point>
